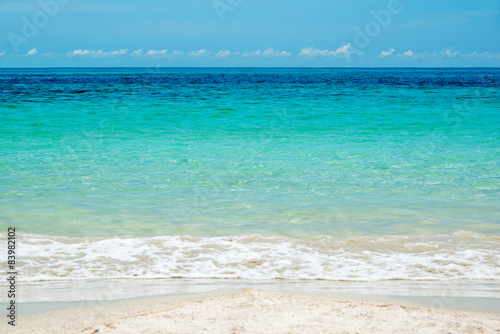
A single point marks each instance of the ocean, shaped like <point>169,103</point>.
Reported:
<point>343,174</point>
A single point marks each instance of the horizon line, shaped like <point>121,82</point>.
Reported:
<point>276,67</point>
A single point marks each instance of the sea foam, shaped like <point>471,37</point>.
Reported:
<point>458,256</point>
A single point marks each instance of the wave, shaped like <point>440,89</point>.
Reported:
<point>446,257</point>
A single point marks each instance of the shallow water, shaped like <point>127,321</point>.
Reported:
<point>342,174</point>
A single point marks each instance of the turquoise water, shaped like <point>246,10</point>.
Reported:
<point>205,165</point>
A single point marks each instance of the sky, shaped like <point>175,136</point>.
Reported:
<point>299,33</point>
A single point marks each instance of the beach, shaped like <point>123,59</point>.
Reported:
<point>258,311</point>
<point>259,306</point>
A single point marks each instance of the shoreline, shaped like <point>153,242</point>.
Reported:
<point>36,297</point>
<point>238,310</point>
<point>466,304</point>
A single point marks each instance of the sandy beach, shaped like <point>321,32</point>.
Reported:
<point>256,311</point>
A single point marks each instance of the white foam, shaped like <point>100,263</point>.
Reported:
<point>460,256</point>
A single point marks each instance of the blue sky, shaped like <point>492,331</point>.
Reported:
<point>39,33</point>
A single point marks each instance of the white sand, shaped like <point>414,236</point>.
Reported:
<point>255,311</point>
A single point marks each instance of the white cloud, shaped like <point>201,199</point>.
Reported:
<point>115,53</point>
<point>313,52</point>
<point>272,53</point>
<point>486,55</point>
<point>254,53</point>
<point>342,51</point>
<point>2,53</point>
<point>80,52</point>
<point>199,53</point>
<point>222,53</point>
<point>159,53</point>
<point>97,54</point>
<point>137,53</point>
<point>472,55</point>
<point>449,53</point>
<point>386,53</point>
<point>267,53</point>
<point>418,55</point>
